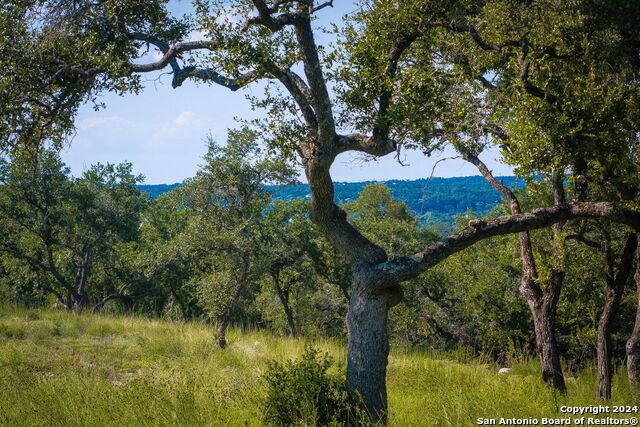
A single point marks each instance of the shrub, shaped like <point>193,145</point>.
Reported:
<point>303,391</point>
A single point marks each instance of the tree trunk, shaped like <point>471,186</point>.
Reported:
<point>283,295</point>
<point>633,344</point>
<point>604,343</point>
<point>289,313</point>
<point>542,303</point>
<point>615,284</point>
<point>368,347</point>
<point>75,302</point>
<point>544,326</point>
<point>226,317</point>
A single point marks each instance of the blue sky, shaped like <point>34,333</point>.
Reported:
<point>162,130</point>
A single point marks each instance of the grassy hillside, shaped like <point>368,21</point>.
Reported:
<point>61,369</point>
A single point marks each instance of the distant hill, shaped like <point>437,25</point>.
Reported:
<point>435,202</point>
<point>158,189</point>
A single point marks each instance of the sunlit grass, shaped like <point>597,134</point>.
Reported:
<point>63,369</point>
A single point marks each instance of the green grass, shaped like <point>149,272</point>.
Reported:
<point>60,369</point>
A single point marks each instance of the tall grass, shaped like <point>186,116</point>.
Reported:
<point>63,369</point>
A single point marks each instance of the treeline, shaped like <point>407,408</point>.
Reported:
<point>435,201</point>
<point>222,248</point>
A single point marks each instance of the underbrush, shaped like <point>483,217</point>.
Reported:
<point>60,369</point>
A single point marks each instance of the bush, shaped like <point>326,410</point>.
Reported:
<point>303,391</point>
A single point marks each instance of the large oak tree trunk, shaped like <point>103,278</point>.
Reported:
<point>368,347</point>
<point>633,344</point>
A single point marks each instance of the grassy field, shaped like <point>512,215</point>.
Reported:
<point>61,369</point>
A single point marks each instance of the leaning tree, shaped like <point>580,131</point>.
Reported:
<point>557,93</point>
<point>59,54</point>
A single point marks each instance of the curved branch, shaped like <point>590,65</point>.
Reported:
<point>529,269</point>
<point>532,89</point>
<point>363,143</point>
<point>171,53</point>
<point>210,75</point>
<point>408,267</point>
<point>580,238</point>
<point>319,94</point>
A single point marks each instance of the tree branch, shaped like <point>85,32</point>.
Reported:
<point>408,267</point>
<point>580,238</point>
<point>363,143</point>
<point>209,74</point>
<point>266,19</point>
<point>526,83</point>
<point>171,53</point>
<point>529,283</point>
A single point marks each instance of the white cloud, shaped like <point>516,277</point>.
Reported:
<point>184,118</point>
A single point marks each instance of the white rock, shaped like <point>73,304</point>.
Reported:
<point>504,370</point>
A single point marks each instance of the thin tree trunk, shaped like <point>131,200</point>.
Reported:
<point>542,303</point>
<point>225,319</point>
<point>283,295</point>
<point>633,344</point>
<point>613,295</point>
<point>604,343</point>
<point>368,347</point>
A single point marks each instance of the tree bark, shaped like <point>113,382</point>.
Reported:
<point>604,343</point>
<point>633,344</point>
<point>544,315</point>
<point>368,346</point>
<point>613,295</point>
<point>221,337</point>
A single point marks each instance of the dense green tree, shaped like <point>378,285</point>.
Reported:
<point>62,227</point>
<point>226,201</point>
<point>292,253</point>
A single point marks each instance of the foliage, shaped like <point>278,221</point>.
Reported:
<point>303,391</point>
<point>66,230</point>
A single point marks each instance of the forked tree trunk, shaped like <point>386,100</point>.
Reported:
<point>542,302</point>
<point>368,347</point>
<point>633,344</point>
